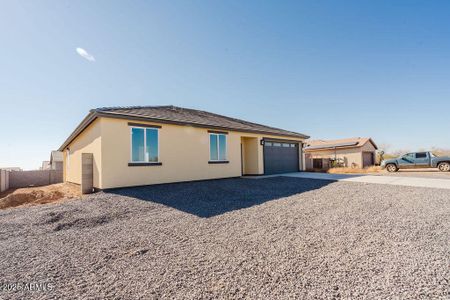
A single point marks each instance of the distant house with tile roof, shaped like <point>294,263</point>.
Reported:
<point>350,152</point>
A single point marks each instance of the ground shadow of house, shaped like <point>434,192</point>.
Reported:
<point>214,197</point>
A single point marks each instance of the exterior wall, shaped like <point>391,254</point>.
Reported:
<point>250,160</point>
<point>57,165</point>
<point>350,155</point>
<point>183,152</point>
<point>89,141</point>
<point>368,147</point>
<point>308,161</point>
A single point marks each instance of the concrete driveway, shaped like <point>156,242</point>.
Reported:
<point>422,173</point>
<point>391,180</point>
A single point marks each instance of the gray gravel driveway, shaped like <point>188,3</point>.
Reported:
<point>270,238</point>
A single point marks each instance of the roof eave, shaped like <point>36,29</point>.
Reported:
<point>331,148</point>
<point>373,143</point>
<point>79,129</point>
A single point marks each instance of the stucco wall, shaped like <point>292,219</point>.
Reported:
<point>183,152</point>
<point>251,161</point>
<point>89,141</point>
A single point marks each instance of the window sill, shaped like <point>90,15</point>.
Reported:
<point>218,162</point>
<point>144,164</point>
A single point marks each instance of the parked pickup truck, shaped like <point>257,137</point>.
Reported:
<point>417,160</point>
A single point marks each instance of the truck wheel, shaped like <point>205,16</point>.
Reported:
<point>391,168</point>
<point>444,167</point>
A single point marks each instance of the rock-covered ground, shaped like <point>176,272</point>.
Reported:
<point>234,238</point>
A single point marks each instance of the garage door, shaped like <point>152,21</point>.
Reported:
<point>368,159</point>
<point>280,157</point>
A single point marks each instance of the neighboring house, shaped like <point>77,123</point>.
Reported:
<point>134,146</point>
<point>45,165</point>
<point>56,160</point>
<point>353,152</point>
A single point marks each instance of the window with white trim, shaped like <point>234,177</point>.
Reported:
<point>144,145</point>
<point>217,147</point>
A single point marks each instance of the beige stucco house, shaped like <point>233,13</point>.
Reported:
<point>134,146</point>
<point>353,152</point>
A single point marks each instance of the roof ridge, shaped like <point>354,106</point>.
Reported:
<point>109,108</point>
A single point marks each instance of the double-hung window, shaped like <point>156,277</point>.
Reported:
<point>217,147</point>
<point>144,145</point>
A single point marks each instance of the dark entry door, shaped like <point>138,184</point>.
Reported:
<point>368,159</point>
<point>280,157</point>
<point>317,163</point>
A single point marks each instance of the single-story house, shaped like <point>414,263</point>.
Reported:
<point>56,160</point>
<point>45,165</point>
<point>353,152</point>
<point>143,145</point>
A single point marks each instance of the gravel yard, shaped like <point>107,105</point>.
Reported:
<point>234,238</point>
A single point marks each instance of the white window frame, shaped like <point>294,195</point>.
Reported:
<point>218,147</point>
<point>145,145</point>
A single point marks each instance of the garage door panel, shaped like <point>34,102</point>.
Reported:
<point>280,158</point>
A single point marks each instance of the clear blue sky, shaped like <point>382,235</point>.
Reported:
<point>329,69</point>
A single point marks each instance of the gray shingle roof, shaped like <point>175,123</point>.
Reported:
<point>194,117</point>
<point>180,116</point>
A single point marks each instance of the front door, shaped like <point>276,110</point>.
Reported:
<point>368,159</point>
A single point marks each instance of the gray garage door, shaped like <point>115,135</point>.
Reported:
<point>280,157</point>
